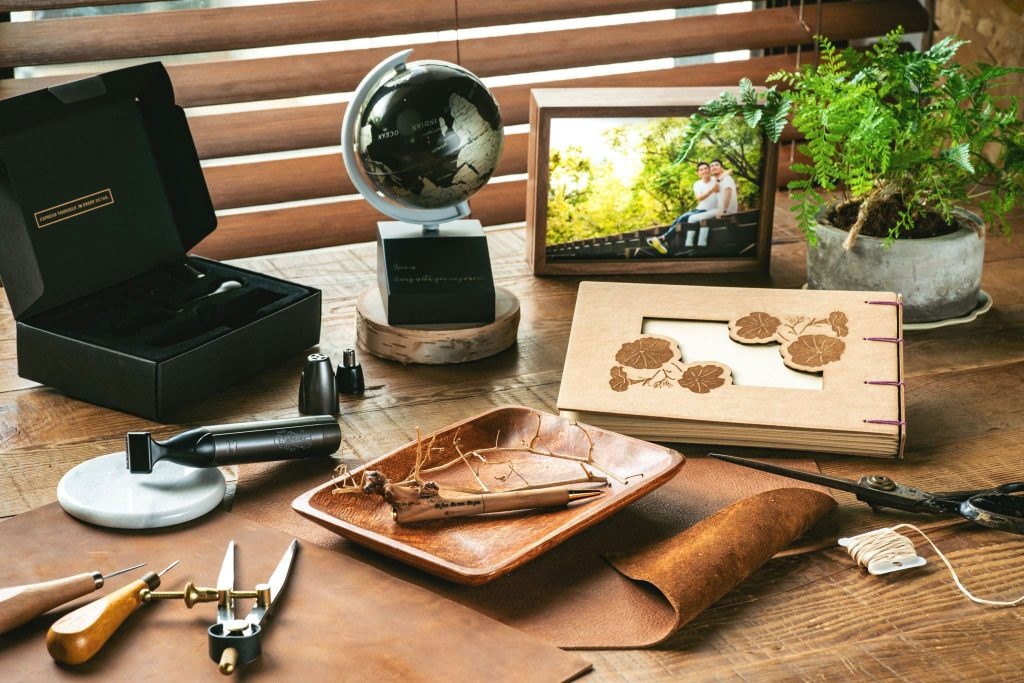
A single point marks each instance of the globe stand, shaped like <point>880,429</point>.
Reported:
<point>435,285</point>
<point>434,276</point>
<point>435,344</point>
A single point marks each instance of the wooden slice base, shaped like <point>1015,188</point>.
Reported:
<point>435,344</point>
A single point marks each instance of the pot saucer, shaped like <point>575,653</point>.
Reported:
<point>982,307</point>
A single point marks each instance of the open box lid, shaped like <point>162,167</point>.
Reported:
<point>99,181</point>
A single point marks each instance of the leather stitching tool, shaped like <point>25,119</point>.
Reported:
<point>20,604</point>
<point>78,635</point>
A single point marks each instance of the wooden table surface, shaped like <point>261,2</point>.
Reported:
<point>811,617</point>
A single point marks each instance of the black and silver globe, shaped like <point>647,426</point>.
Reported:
<point>425,136</point>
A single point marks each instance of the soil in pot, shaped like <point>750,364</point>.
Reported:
<point>883,216</point>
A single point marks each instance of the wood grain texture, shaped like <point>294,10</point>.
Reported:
<point>78,635</point>
<point>19,604</point>
<point>277,130</point>
<point>337,222</point>
<point>476,551</point>
<point>810,617</point>
<point>490,13</point>
<point>350,219</point>
<point>432,344</point>
<point>246,80</point>
<point>471,12</point>
<point>324,175</point>
<point>21,5</point>
<point>310,177</point>
<point>697,35</point>
<point>148,34</point>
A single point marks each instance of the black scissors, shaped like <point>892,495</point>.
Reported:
<point>998,507</point>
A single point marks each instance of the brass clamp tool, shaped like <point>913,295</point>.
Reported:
<point>234,642</point>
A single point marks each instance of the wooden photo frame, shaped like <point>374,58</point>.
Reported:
<point>612,150</point>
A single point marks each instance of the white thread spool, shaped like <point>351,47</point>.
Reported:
<point>882,551</point>
<point>885,550</point>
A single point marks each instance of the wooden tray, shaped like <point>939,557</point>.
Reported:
<point>476,550</point>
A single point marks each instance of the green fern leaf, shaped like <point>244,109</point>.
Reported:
<point>960,155</point>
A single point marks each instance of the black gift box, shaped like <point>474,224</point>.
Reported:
<point>101,196</point>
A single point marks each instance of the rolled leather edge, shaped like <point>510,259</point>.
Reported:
<point>696,567</point>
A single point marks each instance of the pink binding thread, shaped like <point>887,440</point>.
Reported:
<point>886,382</point>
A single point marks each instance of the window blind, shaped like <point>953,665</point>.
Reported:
<point>265,84</point>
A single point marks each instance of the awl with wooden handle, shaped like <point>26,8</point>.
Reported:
<point>78,635</point>
<point>19,604</point>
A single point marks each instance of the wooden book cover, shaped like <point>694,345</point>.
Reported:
<point>794,369</point>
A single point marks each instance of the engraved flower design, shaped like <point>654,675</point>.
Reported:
<point>646,353</point>
<point>815,350</point>
<point>700,379</point>
<point>619,380</point>
<point>838,321</point>
<point>757,325</point>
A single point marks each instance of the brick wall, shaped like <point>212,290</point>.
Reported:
<point>994,27</point>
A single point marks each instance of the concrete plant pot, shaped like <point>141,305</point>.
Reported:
<point>939,277</point>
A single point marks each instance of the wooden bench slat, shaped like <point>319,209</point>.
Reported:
<point>322,225</point>
<point>276,130</point>
<point>247,80</point>
<point>151,34</point>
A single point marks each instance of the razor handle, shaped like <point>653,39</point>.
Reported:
<point>230,444</point>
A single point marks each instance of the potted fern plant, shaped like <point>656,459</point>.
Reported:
<point>898,143</point>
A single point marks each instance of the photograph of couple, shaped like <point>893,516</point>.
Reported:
<point>619,189</point>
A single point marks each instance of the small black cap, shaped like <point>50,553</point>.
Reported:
<point>318,392</point>
<point>349,376</point>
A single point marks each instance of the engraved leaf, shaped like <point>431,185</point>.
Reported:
<point>619,380</point>
<point>815,350</point>
<point>700,379</point>
<point>839,323</point>
<point>757,325</point>
<point>646,353</point>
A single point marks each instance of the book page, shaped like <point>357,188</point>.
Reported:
<point>758,365</point>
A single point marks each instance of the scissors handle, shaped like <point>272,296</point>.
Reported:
<point>998,508</point>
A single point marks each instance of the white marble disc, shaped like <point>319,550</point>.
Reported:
<point>102,491</point>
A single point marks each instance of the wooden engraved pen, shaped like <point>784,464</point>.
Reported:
<point>442,507</point>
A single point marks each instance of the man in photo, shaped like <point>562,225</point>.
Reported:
<point>706,191</point>
<point>728,201</point>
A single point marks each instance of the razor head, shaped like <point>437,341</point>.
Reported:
<point>139,452</point>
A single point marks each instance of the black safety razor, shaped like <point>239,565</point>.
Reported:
<point>230,444</point>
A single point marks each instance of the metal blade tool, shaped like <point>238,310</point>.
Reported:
<point>234,642</point>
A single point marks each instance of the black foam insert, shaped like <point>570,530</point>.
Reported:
<point>171,309</point>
